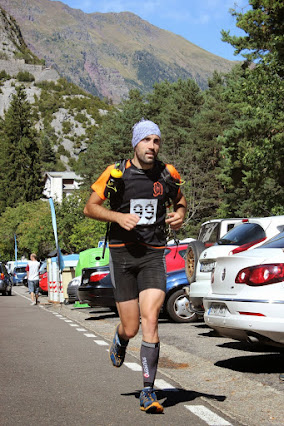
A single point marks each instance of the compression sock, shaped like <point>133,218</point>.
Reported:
<point>149,356</point>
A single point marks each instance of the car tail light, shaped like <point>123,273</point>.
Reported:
<point>206,245</point>
<point>246,246</point>
<point>261,275</point>
<point>2,276</point>
<point>97,276</point>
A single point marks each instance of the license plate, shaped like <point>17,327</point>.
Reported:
<point>218,310</point>
<point>207,267</point>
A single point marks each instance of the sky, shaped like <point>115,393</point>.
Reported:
<point>198,21</point>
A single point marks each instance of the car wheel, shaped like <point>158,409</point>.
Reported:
<point>178,307</point>
<point>192,254</point>
<point>9,292</point>
<point>4,293</point>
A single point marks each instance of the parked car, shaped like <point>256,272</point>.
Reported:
<point>43,281</point>
<point>72,289</point>
<point>248,234</point>
<point>96,290</point>
<point>246,301</point>
<point>175,256</point>
<point>92,257</point>
<point>210,232</point>
<point>19,273</point>
<point>5,281</point>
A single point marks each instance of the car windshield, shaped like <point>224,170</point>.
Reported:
<point>20,270</point>
<point>209,232</point>
<point>275,242</point>
<point>242,234</point>
<point>43,269</point>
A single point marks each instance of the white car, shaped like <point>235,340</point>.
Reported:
<point>246,301</point>
<point>248,234</point>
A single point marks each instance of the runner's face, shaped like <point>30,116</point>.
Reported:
<point>147,150</point>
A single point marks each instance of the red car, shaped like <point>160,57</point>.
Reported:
<point>43,284</point>
<point>175,256</point>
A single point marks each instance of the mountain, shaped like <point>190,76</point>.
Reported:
<point>66,116</point>
<point>107,54</point>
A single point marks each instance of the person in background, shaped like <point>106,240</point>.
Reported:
<point>137,241</point>
<point>33,278</point>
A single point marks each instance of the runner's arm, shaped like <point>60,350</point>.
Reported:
<point>95,210</point>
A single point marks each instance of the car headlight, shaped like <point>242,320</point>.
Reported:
<point>75,282</point>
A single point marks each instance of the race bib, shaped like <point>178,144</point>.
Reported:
<point>145,209</point>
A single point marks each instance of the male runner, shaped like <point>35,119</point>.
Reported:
<point>137,240</point>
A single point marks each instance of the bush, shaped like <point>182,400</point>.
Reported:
<point>4,75</point>
<point>25,76</point>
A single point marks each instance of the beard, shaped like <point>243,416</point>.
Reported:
<point>148,158</point>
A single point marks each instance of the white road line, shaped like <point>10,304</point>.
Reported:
<point>101,342</point>
<point>73,325</point>
<point>162,384</point>
<point>207,415</point>
<point>133,366</point>
<point>25,297</point>
<point>89,335</point>
<point>81,329</point>
<point>63,318</point>
<point>67,320</point>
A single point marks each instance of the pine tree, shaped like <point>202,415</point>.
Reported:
<point>252,166</point>
<point>20,166</point>
<point>264,41</point>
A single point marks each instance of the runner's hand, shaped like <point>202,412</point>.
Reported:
<point>128,221</point>
<point>174,220</point>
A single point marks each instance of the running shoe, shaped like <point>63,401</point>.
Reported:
<point>117,351</point>
<point>149,403</point>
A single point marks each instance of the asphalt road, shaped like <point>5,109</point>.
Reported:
<point>55,370</point>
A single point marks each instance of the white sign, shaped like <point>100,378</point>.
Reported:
<point>145,209</point>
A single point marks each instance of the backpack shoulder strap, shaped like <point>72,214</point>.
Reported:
<point>121,165</point>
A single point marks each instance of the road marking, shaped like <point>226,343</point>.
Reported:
<point>162,384</point>
<point>207,415</point>
<point>25,297</point>
<point>81,329</point>
<point>101,342</point>
<point>89,335</point>
<point>63,318</point>
<point>67,320</point>
<point>73,325</point>
<point>133,366</point>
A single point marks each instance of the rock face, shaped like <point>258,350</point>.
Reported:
<point>70,123</point>
<point>14,53</point>
<point>109,54</point>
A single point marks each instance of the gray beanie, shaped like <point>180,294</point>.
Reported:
<point>142,129</point>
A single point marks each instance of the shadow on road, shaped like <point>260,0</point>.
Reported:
<point>101,314</point>
<point>176,396</point>
<point>248,347</point>
<point>258,364</point>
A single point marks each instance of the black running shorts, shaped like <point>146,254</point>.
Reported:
<point>135,268</point>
